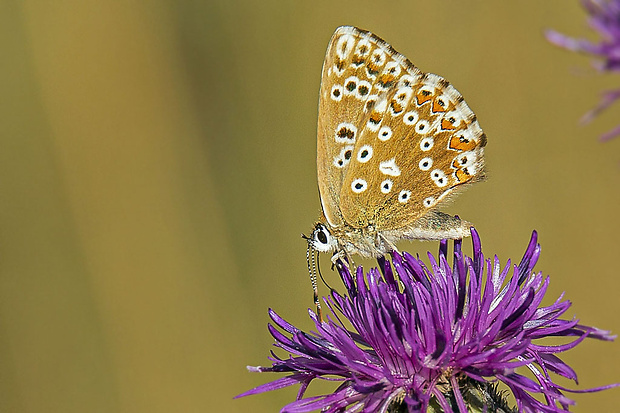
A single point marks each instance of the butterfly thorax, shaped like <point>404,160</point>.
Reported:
<point>366,241</point>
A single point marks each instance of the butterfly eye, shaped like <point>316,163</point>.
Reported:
<point>322,237</point>
<point>322,240</point>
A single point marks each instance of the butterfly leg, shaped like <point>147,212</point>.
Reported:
<point>387,242</point>
<point>344,257</point>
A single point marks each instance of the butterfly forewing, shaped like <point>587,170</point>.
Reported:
<point>416,140</point>
<point>348,91</point>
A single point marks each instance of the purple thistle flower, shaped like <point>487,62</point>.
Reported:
<point>605,19</point>
<point>427,335</point>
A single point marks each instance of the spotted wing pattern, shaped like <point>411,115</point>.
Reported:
<point>393,141</point>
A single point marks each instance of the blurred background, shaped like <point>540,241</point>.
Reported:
<point>157,166</point>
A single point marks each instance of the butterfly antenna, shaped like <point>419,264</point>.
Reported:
<point>315,288</point>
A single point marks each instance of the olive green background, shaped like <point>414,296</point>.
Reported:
<point>157,166</point>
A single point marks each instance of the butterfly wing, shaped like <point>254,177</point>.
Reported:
<point>342,100</point>
<point>416,140</point>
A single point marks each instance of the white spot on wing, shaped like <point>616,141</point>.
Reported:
<point>344,46</point>
<point>378,57</point>
<point>341,160</point>
<point>345,133</point>
<point>364,45</point>
<point>358,185</point>
<point>382,106</point>
<point>410,118</point>
<point>363,89</point>
<point>350,85</point>
<point>386,186</point>
<point>404,196</point>
<point>423,127</point>
<point>455,115</point>
<point>426,144</point>
<point>336,93</point>
<point>445,100</point>
<point>364,154</point>
<point>406,81</point>
<point>370,102</point>
<point>466,159</point>
<point>385,133</point>
<point>426,164</point>
<point>389,168</point>
<point>439,177</point>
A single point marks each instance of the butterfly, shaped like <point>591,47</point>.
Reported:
<point>393,143</point>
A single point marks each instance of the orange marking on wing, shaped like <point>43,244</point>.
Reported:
<point>372,69</point>
<point>386,79</point>
<point>358,60</point>
<point>459,143</point>
<point>375,117</point>
<point>462,175</point>
<point>423,97</point>
<point>437,107</point>
<point>396,107</point>
<point>447,125</point>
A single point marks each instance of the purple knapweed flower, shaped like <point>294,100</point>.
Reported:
<point>425,338</point>
<point>605,19</point>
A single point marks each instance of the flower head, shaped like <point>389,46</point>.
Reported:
<point>605,19</point>
<point>423,336</point>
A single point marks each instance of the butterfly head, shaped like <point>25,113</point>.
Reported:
<point>321,239</point>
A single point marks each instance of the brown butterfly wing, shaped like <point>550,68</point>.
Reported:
<point>416,140</point>
<point>342,102</point>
